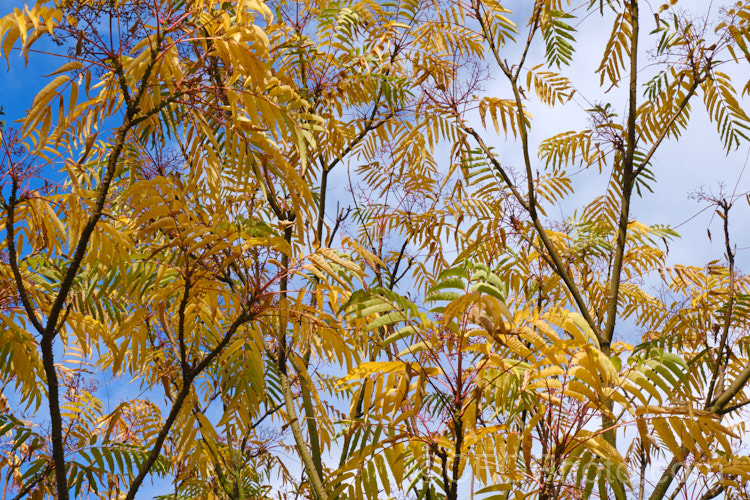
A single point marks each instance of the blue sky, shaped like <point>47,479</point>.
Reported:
<point>19,84</point>
<point>696,161</point>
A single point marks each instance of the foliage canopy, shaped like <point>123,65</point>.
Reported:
<point>170,236</point>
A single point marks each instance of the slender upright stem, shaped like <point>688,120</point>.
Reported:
<point>626,185</point>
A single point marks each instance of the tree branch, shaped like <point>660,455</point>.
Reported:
<point>315,481</point>
<point>530,205</point>
<point>179,401</point>
<point>10,209</point>
<point>725,206</point>
<point>626,185</point>
<point>548,245</point>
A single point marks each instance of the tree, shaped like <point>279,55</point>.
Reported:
<point>575,279</point>
<point>166,208</point>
